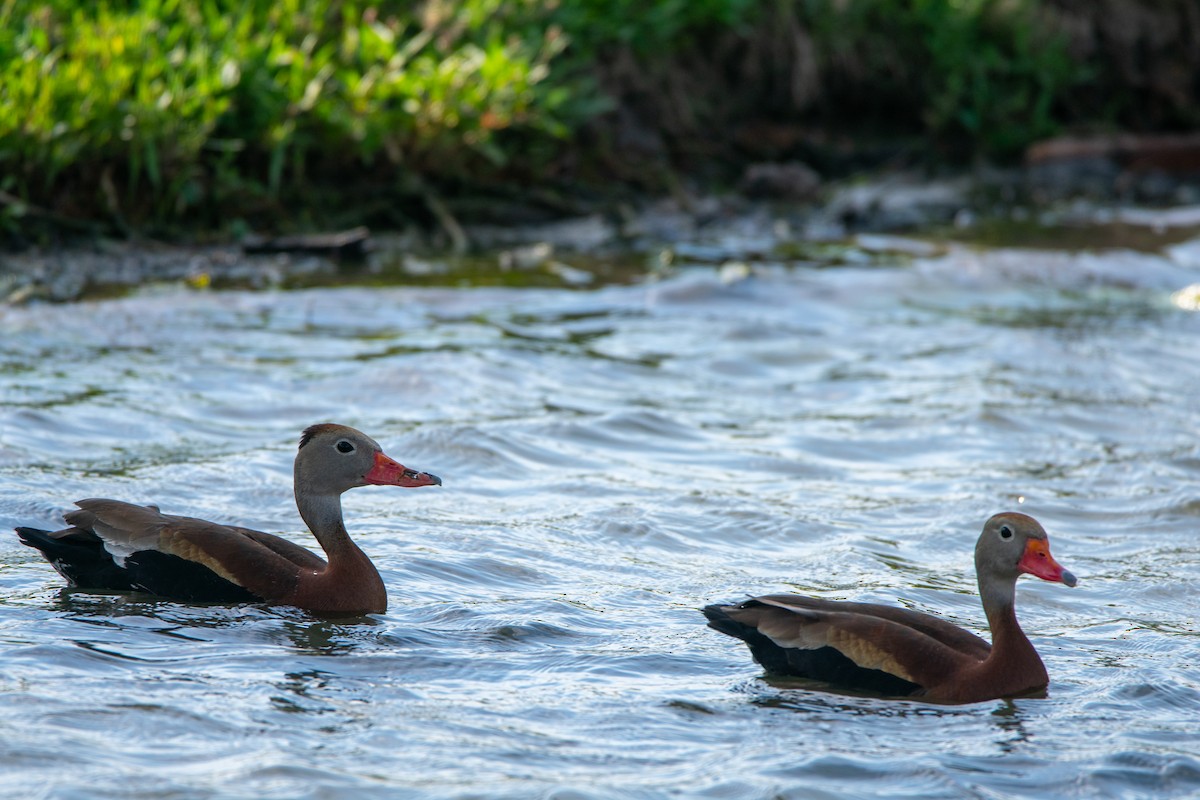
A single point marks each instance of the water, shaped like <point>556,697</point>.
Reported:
<point>613,459</point>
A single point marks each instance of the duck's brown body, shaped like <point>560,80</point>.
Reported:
<point>895,651</point>
<point>119,546</point>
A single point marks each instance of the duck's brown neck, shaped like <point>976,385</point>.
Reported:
<point>1014,663</point>
<point>350,582</point>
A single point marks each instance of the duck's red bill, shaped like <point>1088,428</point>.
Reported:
<point>389,472</point>
<point>1038,561</point>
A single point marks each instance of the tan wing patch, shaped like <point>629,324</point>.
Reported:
<point>866,654</point>
<point>170,542</point>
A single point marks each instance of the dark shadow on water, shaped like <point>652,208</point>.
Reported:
<point>299,630</point>
<point>800,694</point>
<point>299,693</point>
<point>1011,723</point>
<point>325,637</point>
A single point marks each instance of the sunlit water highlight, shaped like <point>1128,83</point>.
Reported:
<point>613,459</point>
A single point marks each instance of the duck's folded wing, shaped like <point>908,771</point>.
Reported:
<point>947,633</point>
<point>801,640</point>
<point>187,558</point>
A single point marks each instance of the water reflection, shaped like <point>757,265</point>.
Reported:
<point>299,690</point>
<point>329,638</point>
<point>1009,719</point>
<point>814,697</point>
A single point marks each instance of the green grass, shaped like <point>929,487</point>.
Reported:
<point>160,108</point>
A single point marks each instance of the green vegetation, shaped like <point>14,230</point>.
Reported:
<point>161,109</point>
<point>164,115</point>
<point>991,73</point>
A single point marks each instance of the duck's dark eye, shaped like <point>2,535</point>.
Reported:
<point>345,447</point>
<point>1005,532</point>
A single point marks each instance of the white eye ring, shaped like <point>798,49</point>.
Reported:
<point>1005,532</point>
<point>345,447</point>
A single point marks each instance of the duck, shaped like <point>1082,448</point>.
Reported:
<point>897,652</point>
<point>111,545</point>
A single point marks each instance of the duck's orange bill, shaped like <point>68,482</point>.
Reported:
<point>1038,561</point>
<point>388,472</point>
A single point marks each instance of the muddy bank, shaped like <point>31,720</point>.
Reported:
<point>1071,195</point>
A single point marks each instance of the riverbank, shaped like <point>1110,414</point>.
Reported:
<point>1057,204</point>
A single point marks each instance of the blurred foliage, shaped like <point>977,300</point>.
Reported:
<point>991,71</point>
<point>165,111</point>
<point>649,28</point>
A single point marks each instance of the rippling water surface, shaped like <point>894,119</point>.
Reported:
<point>613,459</point>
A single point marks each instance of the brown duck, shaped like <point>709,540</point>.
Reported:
<point>895,651</point>
<point>119,546</point>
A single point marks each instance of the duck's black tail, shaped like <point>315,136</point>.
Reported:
<point>79,556</point>
<point>772,657</point>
